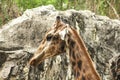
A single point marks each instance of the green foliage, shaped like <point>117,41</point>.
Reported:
<point>27,4</point>
<point>102,7</point>
<point>0,21</point>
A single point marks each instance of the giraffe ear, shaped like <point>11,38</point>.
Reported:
<point>63,33</point>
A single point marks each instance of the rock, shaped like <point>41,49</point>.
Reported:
<point>7,69</point>
<point>20,38</point>
<point>115,67</point>
<point>3,58</point>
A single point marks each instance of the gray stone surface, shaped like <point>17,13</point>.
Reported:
<point>115,66</point>
<point>20,38</point>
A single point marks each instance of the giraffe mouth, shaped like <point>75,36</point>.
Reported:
<point>36,60</point>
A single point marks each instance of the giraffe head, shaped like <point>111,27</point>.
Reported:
<point>52,44</point>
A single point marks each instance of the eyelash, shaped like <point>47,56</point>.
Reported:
<point>49,38</point>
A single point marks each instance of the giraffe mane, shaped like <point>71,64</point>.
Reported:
<point>81,44</point>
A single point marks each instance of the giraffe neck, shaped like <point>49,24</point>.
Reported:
<point>82,65</point>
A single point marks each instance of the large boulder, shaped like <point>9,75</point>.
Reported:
<point>20,38</point>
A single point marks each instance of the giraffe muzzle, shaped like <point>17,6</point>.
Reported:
<point>37,59</point>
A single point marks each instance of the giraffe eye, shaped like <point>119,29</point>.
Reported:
<point>49,37</point>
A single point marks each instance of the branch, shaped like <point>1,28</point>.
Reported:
<point>113,10</point>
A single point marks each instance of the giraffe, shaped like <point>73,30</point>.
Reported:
<point>62,38</point>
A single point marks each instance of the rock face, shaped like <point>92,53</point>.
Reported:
<point>20,38</point>
<point>115,67</point>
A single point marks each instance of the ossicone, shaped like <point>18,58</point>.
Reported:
<point>58,18</point>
